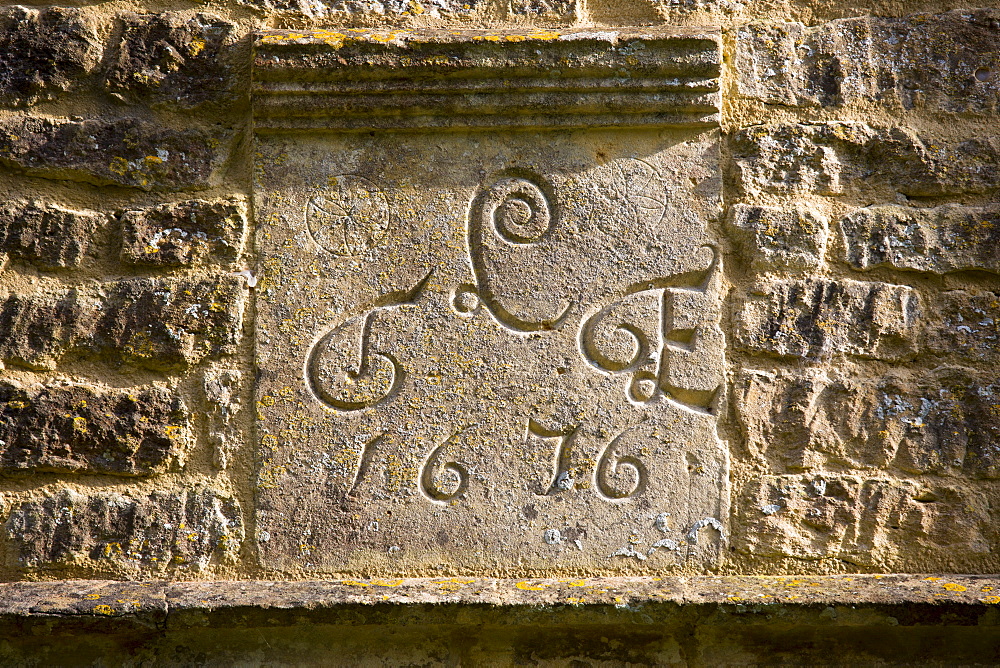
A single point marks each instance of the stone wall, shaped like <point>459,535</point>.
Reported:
<point>858,164</point>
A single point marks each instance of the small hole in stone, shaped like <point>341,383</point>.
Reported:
<point>984,74</point>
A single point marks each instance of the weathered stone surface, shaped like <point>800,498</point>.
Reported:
<point>36,330</point>
<point>554,9</point>
<point>484,352</point>
<point>939,239</point>
<point>172,58</point>
<point>950,62</point>
<point>319,9</point>
<point>966,327</point>
<point>83,428</point>
<point>161,324</point>
<point>184,234</point>
<point>868,522</point>
<point>774,238</point>
<point>168,324</point>
<point>43,52</point>
<point>124,152</point>
<point>817,318</point>
<point>222,392</point>
<point>45,235</point>
<point>833,158</point>
<point>945,422</point>
<point>103,531</point>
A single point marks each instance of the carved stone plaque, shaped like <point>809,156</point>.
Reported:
<point>487,323</point>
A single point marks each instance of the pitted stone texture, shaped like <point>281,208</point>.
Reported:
<point>868,522</point>
<point>43,52</point>
<point>124,152</point>
<point>36,330</point>
<point>939,240</point>
<point>966,328</point>
<point>83,428</point>
<point>490,352</point>
<point>46,235</point>
<point>949,62</point>
<point>552,9</point>
<point>319,9</point>
<point>164,532</point>
<point>774,238</point>
<point>172,59</point>
<point>946,422</point>
<point>222,388</point>
<point>161,324</point>
<point>834,158</point>
<point>817,318</point>
<point>168,324</point>
<point>184,234</point>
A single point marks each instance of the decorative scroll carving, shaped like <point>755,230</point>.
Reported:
<point>518,214</point>
<point>341,369</point>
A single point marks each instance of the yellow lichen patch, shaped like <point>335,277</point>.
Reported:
<point>526,586</point>
<point>387,583</point>
<point>355,583</point>
<point>104,610</point>
<point>992,600</point>
<point>951,586</point>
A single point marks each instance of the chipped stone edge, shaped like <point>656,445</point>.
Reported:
<point>160,601</point>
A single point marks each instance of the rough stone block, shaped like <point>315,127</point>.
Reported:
<point>124,152</point>
<point>552,9</point>
<point>184,234</point>
<point>950,62</point>
<point>775,238</point>
<point>47,236</point>
<point>320,9</point>
<point>966,327</point>
<point>870,523</point>
<point>87,429</point>
<point>161,324</point>
<point>43,52</point>
<point>222,392</point>
<point>102,531</point>
<point>939,239</point>
<point>944,422</point>
<point>168,324</point>
<point>833,158</point>
<point>817,318</point>
<point>171,58</point>
<point>36,330</point>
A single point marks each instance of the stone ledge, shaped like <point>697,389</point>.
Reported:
<point>157,600</point>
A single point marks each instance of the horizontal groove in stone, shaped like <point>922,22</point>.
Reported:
<point>434,79</point>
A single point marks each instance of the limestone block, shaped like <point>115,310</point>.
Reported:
<point>185,233</point>
<point>965,326</point>
<point>124,152</point>
<point>167,324</point>
<point>43,51</point>
<point>834,158</point>
<point>817,318</point>
<point>941,422</point>
<point>83,428</point>
<point>779,238</point>
<point>162,324</point>
<point>551,9</point>
<point>47,236</point>
<point>486,351</point>
<point>938,239</point>
<point>947,62</point>
<point>868,522</point>
<point>377,9</point>
<point>36,330</point>
<point>162,532</point>
<point>171,59</point>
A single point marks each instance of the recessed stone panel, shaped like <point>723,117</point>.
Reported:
<point>488,349</point>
